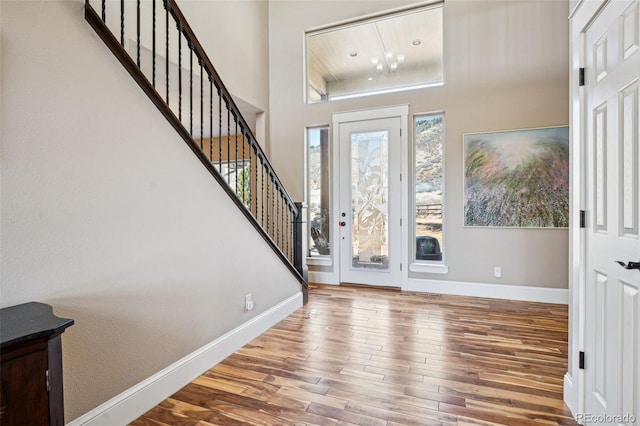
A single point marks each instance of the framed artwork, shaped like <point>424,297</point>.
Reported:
<point>517,178</point>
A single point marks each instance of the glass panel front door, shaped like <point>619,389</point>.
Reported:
<point>370,202</point>
<point>370,199</point>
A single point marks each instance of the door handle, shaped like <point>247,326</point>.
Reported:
<point>630,265</point>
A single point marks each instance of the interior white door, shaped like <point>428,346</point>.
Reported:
<point>612,317</point>
<point>370,202</point>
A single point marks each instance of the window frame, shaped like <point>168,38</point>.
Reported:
<point>421,265</point>
<point>319,259</point>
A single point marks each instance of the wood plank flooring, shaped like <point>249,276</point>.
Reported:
<point>359,356</point>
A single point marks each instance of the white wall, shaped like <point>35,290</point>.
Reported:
<point>506,67</point>
<point>108,216</point>
<point>234,35</point>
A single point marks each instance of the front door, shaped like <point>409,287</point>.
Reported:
<point>370,202</point>
<point>612,309</point>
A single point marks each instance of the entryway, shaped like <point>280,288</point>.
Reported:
<point>369,195</point>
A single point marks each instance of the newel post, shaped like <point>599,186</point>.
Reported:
<point>300,246</point>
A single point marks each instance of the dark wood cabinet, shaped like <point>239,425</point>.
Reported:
<point>31,365</point>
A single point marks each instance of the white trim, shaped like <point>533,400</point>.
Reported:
<point>318,277</point>
<point>494,291</point>
<point>135,401</point>
<point>319,261</point>
<point>370,114</point>
<point>402,112</point>
<point>429,268</point>
<point>570,394</point>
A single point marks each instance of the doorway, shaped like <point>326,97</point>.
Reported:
<point>612,317</point>
<point>369,196</point>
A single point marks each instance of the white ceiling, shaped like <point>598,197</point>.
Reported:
<point>412,40</point>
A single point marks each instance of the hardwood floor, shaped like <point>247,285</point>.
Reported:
<point>359,356</point>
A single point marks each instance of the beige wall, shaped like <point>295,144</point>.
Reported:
<point>506,67</point>
<point>235,36</point>
<point>108,216</point>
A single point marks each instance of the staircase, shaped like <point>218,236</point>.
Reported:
<point>156,45</point>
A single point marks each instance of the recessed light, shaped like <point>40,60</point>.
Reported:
<point>416,42</point>
<point>375,60</point>
<point>370,78</point>
<point>393,66</point>
<point>389,55</point>
<point>353,54</point>
<point>400,58</point>
<point>379,67</point>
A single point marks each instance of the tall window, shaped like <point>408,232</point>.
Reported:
<point>318,172</point>
<point>429,186</point>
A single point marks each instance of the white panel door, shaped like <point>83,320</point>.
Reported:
<point>612,345</point>
<point>370,202</point>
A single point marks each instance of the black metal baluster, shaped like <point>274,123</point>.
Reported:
<point>228,142</point>
<point>219,131</point>
<point>247,183</point>
<point>255,167</point>
<point>190,88</point>
<point>281,213</point>
<point>166,8</point>
<point>138,32</point>
<point>274,219</point>
<point>262,193</point>
<point>179,71</point>
<point>210,118</point>
<point>235,118</point>
<point>277,216</point>
<point>269,204</point>
<point>122,22</point>
<point>104,11</point>
<point>153,47</point>
<point>201,104</point>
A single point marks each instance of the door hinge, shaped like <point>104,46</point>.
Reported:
<point>581,360</point>
<point>401,266</point>
<point>400,221</point>
<point>583,219</point>
<point>581,77</point>
<point>46,373</point>
<point>400,132</point>
<point>400,177</point>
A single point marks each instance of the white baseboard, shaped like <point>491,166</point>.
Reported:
<point>318,277</point>
<point>137,400</point>
<point>495,291</point>
<point>570,394</point>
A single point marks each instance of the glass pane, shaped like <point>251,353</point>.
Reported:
<point>369,199</point>
<point>429,186</point>
<point>398,51</point>
<point>318,181</point>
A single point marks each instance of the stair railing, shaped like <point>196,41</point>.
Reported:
<point>161,52</point>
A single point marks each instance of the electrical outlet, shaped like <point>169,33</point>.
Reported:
<point>497,271</point>
<point>248,302</point>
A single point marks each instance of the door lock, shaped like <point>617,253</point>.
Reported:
<point>342,223</point>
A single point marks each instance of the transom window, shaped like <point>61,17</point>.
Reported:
<point>398,51</point>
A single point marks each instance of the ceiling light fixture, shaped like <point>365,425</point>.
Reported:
<point>370,78</point>
<point>389,55</point>
<point>379,67</point>
<point>416,42</point>
<point>353,54</point>
<point>393,66</point>
<point>400,58</point>
<point>375,60</point>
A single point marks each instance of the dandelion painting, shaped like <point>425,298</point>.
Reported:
<point>517,178</point>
